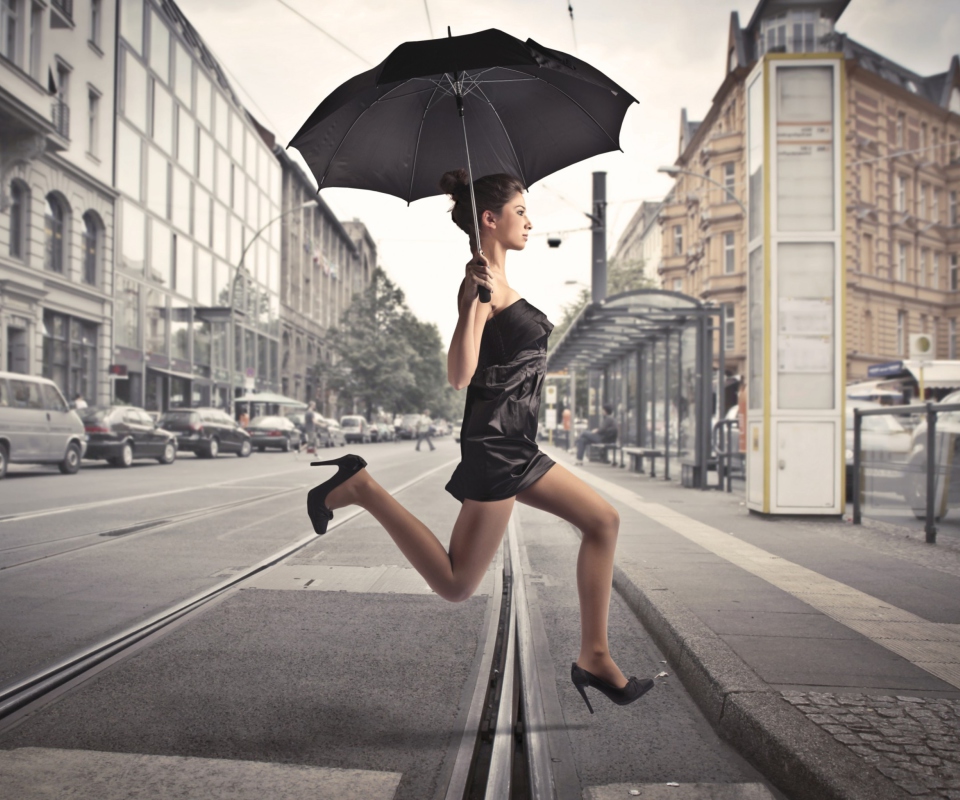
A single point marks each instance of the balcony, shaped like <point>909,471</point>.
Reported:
<point>61,118</point>
<point>62,16</point>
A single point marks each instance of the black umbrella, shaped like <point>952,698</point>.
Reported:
<point>398,127</point>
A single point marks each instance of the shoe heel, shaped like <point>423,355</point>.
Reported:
<point>583,694</point>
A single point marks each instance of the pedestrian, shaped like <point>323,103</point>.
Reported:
<point>244,419</point>
<point>423,431</point>
<point>567,425</point>
<point>499,353</point>
<point>78,402</point>
<point>606,434</point>
<point>309,429</point>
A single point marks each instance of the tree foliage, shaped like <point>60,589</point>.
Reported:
<point>387,358</point>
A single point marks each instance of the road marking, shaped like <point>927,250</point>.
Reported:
<point>934,648</point>
<point>40,773</point>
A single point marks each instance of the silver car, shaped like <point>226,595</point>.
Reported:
<point>37,426</point>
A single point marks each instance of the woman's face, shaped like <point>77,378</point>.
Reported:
<point>513,225</point>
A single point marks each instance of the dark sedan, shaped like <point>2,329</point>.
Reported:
<point>278,432</point>
<point>207,432</point>
<point>120,434</point>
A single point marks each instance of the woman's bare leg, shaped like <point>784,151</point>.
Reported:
<point>561,493</point>
<point>476,536</point>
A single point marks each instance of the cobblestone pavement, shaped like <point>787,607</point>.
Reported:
<point>913,741</point>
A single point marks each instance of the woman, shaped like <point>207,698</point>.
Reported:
<point>499,352</point>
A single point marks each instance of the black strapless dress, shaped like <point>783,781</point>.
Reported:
<point>499,457</point>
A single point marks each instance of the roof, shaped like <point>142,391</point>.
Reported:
<point>768,8</point>
<point>604,331</point>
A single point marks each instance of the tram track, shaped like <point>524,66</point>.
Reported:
<point>501,754</point>
<point>97,538</point>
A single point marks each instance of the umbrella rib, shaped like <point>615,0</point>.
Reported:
<point>516,158</point>
<point>416,152</point>
<point>557,88</point>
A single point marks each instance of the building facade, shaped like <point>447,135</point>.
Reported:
<point>641,244</point>
<point>900,139</point>
<point>325,262</point>
<point>197,292</point>
<point>57,204</point>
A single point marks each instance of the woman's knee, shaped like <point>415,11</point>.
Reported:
<point>457,594</point>
<point>605,522</point>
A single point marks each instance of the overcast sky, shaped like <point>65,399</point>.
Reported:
<point>669,55</point>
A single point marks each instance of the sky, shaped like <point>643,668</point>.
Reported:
<point>669,55</point>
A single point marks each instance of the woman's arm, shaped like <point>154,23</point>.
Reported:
<point>464,352</point>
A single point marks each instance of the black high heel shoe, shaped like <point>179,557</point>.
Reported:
<point>320,515</point>
<point>634,690</point>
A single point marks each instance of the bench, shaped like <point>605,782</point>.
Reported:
<point>600,452</point>
<point>637,454</point>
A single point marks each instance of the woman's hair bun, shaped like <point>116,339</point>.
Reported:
<point>454,182</point>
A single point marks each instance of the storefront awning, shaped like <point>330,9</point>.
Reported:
<point>936,374</point>
<point>173,373</point>
<point>270,397</point>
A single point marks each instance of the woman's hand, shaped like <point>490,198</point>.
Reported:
<point>477,274</point>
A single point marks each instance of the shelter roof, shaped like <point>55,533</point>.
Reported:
<point>604,331</point>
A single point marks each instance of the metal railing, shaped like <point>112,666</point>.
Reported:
<point>60,114</point>
<point>723,447</point>
<point>928,413</point>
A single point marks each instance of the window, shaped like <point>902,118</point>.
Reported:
<point>901,333</point>
<point>901,261</point>
<point>162,117</point>
<point>952,339</point>
<point>935,278</point>
<point>729,326</point>
<point>935,206</point>
<point>678,284</point>
<point>183,266</point>
<point>901,121</point>
<point>187,142</point>
<point>954,273</point>
<point>867,191</point>
<point>129,161</point>
<point>69,353</point>
<point>131,23</point>
<point>93,121</point>
<point>729,178</point>
<point>952,208</point>
<point>923,139</point>
<point>935,147</point>
<point>61,113</point>
<point>19,217</point>
<point>9,28</point>
<point>159,47</point>
<point>96,20</point>
<point>729,253</point>
<point>867,260</point>
<point>157,182</point>
<point>134,91</point>
<point>160,253</point>
<point>133,240</point>
<point>922,266</point>
<point>92,239</point>
<point>127,312</point>
<point>678,240</point>
<point>901,192</point>
<point>54,229</point>
<point>36,31</point>
<point>922,201</point>
<point>155,331</point>
<point>180,201</point>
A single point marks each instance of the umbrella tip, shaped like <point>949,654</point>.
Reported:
<point>449,34</point>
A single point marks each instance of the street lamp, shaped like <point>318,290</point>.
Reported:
<point>674,171</point>
<point>232,344</point>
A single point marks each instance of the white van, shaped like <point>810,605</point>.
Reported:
<point>37,426</point>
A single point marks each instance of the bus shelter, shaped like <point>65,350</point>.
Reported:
<point>648,353</point>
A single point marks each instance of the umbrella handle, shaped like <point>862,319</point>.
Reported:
<point>484,293</point>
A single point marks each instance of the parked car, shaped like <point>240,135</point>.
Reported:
<point>947,455</point>
<point>332,433</point>
<point>355,428</point>
<point>374,429</point>
<point>385,432</point>
<point>884,445</point>
<point>207,432</point>
<point>279,432</point>
<point>37,426</point>
<point>456,430</point>
<point>119,434</point>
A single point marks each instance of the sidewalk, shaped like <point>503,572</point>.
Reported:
<point>828,655</point>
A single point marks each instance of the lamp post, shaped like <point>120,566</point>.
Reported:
<point>232,344</point>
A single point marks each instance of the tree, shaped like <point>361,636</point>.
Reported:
<point>373,357</point>
<point>430,388</point>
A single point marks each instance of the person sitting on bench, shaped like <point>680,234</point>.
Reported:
<point>605,434</point>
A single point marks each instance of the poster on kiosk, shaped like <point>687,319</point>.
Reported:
<point>794,427</point>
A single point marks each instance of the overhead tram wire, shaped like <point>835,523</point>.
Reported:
<point>325,33</point>
<point>426,8</point>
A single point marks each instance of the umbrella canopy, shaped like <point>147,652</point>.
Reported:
<point>522,108</point>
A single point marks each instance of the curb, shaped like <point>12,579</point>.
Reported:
<point>798,757</point>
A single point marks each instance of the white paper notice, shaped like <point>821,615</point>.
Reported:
<point>805,353</point>
<point>806,315</point>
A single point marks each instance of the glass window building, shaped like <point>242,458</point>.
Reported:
<point>198,242</point>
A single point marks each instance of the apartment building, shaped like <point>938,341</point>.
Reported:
<point>57,204</point>
<point>900,137</point>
